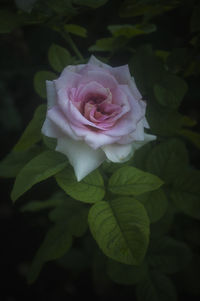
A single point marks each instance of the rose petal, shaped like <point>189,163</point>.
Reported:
<point>147,138</point>
<point>83,158</point>
<point>67,79</point>
<point>59,121</point>
<point>94,61</point>
<point>118,153</point>
<point>92,138</point>
<point>51,94</point>
<point>102,77</point>
<point>134,89</point>
<point>49,129</point>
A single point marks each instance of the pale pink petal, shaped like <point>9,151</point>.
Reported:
<point>92,138</point>
<point>103,78</point>
<point>67,79</point>
<point>83,158</point>
<point>122,74</point>
<point>60,121</point>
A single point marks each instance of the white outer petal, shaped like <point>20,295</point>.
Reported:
<point>147,138</point>
<point>51,94</point>
<point>83,158</point>
<point>118,153</point>
<point>49,129</point>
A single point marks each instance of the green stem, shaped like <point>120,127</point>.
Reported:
<point>69,40</point>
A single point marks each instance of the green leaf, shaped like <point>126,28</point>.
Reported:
<point>32,133</point>
<point>121,229</point>
<point>168,159</point>
<point>39,81</point>
<point>56,200</point>
<point>38,169</point>
<point>59,57</point>
<point>126,274</point>
<point>193,137</point>
<point>170,91</point>
<point>89,190</point>
<point>56,243</point>
<point>132,181</point>
<point>155,203</point>
<point>105,44</point>
<point>74,214</point>
<point>186,193</point>
<point>76,30</point>
<point>49,142</point>
<point>8,21</point>
<point>156,287</point>
<point>130,31</point>
<point>14,161</point>
<point>168,255</point>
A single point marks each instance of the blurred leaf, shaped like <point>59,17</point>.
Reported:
<point>170,91</point>
<point>133,8</point>
<point>89,190</point>
<point>195,20</point>
<point>140,156</point>
<point>162,121</point>
<point>59,57</point>
<point>193,137</point>
<point>32,133</point>
<point>146,68</point>
<point>163,54</point>
<point>163,225</point>
<point>130,31</point>
<point>188,122</point>
<point>121,229</point>
<point>74,214</point>
<point>132,181</point>
<point>14,161</point>
<point>105,44</point>
<point>186,193</point>
<point>8,21</point>
<point>109,44</point>
<point>168,255</point>
<point>40,81</point>
<point>126,274</point>
<point>56,243</point>
<point>168,159</point>
<point>90,3</point>
<point>76,30</point>
<point>75,260</point>
<point>25,5</point>
<point>56,200</point>
<point>155,203</point>
<point>38,169</point>
<point>178,59</point>
<point>156,287</point>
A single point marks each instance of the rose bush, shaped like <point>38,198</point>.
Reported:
<point>96,112</point>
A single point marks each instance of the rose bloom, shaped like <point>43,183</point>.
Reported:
<point>96,113</point>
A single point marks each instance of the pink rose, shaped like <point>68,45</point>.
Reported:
<point>96,112</point>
